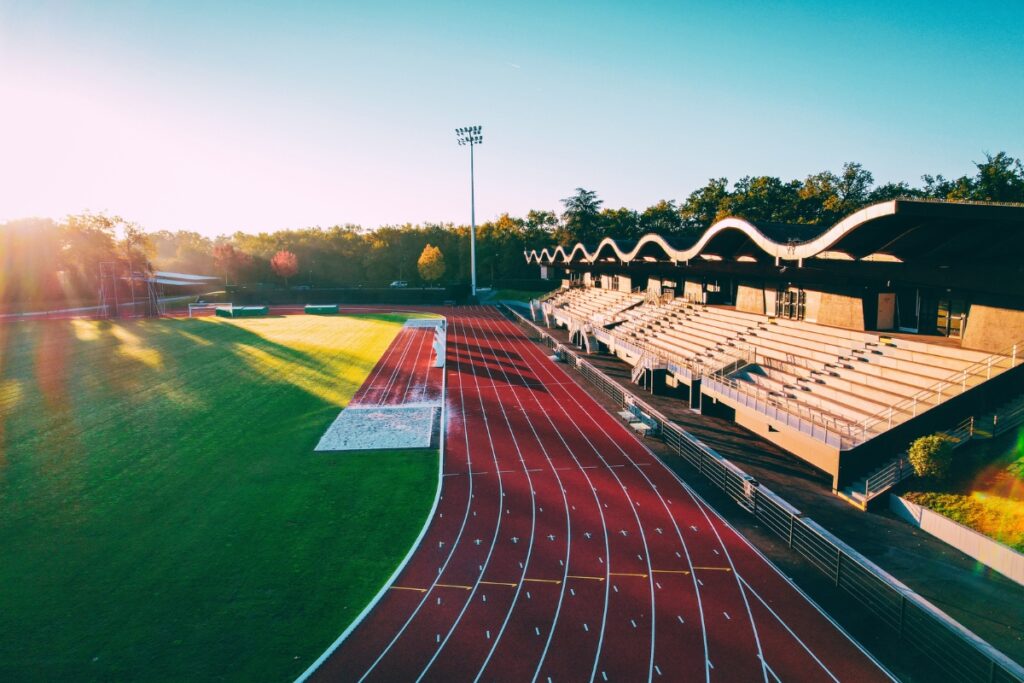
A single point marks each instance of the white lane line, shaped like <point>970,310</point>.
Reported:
<point>528,347</point>
<point>533,516</point>
<point>437,498</point>
<point>743,540</point>
<point>789,630</point>
<point>494,538</point>
<point>396,373</point>
<point>504,345</point>
<point>632,438</point>
<point>546,364</point>
<point>743,593</point>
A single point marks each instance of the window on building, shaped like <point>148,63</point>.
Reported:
<point>790,303</point>
<point>950,318</point>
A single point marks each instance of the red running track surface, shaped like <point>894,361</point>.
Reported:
<point>405,373</point>
<point>563,550</point>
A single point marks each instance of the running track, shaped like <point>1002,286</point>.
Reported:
<point>563,550</point>
<point>405,373</point>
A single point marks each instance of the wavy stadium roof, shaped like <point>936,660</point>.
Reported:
<point>901,230</point>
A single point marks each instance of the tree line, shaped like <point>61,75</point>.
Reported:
<point>46,261</point>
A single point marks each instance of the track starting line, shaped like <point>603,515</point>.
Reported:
<point>512,584</point>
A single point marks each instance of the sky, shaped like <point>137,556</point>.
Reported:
<point>258,116</point>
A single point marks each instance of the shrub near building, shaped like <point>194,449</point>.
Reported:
<point>932,456</point>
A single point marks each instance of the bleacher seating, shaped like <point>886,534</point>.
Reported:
<point>598,306</point>
<point>856,380</point>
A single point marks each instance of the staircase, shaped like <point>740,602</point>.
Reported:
<point>864,490</point>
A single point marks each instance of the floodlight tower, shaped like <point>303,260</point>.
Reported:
<point>471,135</point>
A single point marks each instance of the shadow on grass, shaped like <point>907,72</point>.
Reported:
<point>164,516</point>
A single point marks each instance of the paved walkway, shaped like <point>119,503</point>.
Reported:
<point>982,600</point>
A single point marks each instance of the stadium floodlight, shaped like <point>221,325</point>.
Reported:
<point>472,136</point>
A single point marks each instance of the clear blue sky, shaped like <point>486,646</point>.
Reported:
<point>265,115</point>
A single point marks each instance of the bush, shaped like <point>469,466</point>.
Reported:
<point>932,456</point>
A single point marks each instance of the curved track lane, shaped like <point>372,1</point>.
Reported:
<point>563,550</point>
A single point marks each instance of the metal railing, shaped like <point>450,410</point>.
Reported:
<point>803,418</point>
<point>899,468</point>
<point>818,423</point>
<point>914,620</point>
<point>957,383</point>
<point>848,434</point>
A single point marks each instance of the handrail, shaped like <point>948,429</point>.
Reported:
<point>695,366</point>
<point>794,414</point>
<point>957,379</point>
<point>892,603</point>
<point>850,433</point>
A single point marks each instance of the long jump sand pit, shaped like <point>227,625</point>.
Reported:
<point>368,427</point>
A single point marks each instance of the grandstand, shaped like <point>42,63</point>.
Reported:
<point>838,344</point>
<point>597,307</point>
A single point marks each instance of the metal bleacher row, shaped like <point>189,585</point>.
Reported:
<point>598,306</point>
<point>861,382</point>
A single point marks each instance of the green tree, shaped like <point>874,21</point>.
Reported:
<point>763,198</point>
<point>581,218</point>
<point>932,456</point>
<point>703,205</point>
<point>431,264</point>
<point>621,224</point>
<point>662,218</point>
<point>1000,178</point>
<point>889,191</point>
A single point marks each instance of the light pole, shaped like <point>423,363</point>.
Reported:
<point>471,135</point>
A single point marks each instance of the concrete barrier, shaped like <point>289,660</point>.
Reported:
<point>990,553</point>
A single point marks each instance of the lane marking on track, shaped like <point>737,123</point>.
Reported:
<point>587,578</point>
<point>408,588</point>
<point>642,576</point>
<point>554,581</point>
<point>452,585</point>
<point>716,569</point>
<point>499,583</point>
<point>672,571</point>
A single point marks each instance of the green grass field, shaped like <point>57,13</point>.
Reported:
<point>162,514</point>
<point>515,295</point>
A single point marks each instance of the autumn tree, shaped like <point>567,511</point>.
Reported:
<point>431,264</point>
<point>231,261</point>
<point>285,265</point>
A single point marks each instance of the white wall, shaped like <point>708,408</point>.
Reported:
<point>1003,559</point>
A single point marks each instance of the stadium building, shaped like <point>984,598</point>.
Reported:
<point>840,344</point>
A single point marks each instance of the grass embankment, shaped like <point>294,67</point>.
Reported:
<point>985,491</point>
<point>162,513</point>
<point>515,295</point>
